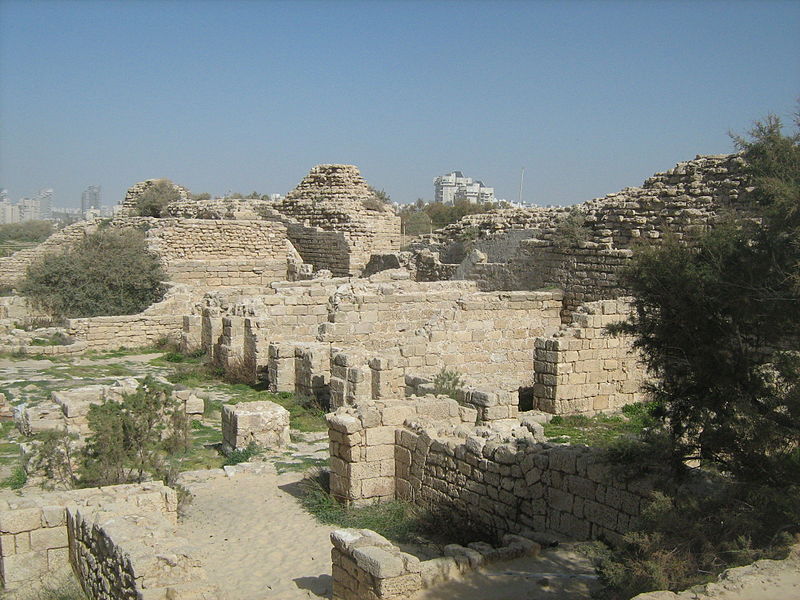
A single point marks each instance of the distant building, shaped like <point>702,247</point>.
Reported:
<point>9,213</point>
<point>90,199</point>
<point>454,186</point>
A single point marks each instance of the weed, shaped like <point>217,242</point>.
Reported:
<point>240,456</point>
<point>303,463</point>
<point>16,480</point>
<point>396,520</point>
<point>448,383</point>
<point>601,430</point>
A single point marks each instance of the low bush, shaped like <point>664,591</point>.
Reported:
<point>131,440</point>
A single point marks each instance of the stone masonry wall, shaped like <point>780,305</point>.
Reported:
<point>582,369</point>
<point>362,443</point>
<point>159,321</point>
<point>513,483</point>
<point>33,529</point>
<point>501,476</point>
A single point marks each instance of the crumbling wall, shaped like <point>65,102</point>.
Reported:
<point>33,529</point>
<point>584,370</point>
<point>362,443</point>
<point>160,321</point>
<point>129,205</point>
<point>516,483</point>
<point>366,566</point>
<point>208,253</point>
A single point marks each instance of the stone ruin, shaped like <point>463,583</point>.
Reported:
<point>312,294</point>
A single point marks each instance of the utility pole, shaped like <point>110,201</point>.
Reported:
<point>521,178</point>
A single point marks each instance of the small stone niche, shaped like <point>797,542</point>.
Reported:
<point>263,423</point>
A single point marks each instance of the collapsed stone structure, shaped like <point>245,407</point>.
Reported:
<point>511,301</point>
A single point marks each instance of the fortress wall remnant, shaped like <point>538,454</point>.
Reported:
<point>12,268</point>
<point>336,198</point>
<point>366,566</point>
<point>33,529</point>
<point>582,369</point>
<point>501,476</point>
<point>488,336</point>
<point>160,321</point>
<point>211,254</point>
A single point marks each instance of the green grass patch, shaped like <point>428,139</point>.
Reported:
<point>304,414</point>
<point>172,358</point>
<point>16,480</point>
<point>601,430</point>
<point>102,354</point>
<point>397,520</point>
<point>204,452</point>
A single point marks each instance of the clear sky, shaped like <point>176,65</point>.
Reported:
<point>589,97</point>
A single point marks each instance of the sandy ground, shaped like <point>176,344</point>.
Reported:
<point>254,539</point>
<point>557,573</point>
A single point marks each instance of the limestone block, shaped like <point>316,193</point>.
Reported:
<point>16,521</point>
<point>264,423</point>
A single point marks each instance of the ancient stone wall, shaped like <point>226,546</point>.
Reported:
<point>33,529</point>
<point>584,370</point>
<point>362,443</point>
<point>500,476</point>
<point>12,268</point>
<point>211,254</point>
<point>366,566</point>
<point>163,320</point>
<point>681,203</point>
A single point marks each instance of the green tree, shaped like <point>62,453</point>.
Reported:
<point>154,200</point>
<point>110,272</point>
<point>719,326</point>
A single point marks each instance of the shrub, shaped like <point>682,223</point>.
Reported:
<point>571,230</point>
<point>16,480</point>
<point>55,457</point>
<point>132,438</point>
<point>109,272</point>
<point>240,456</point>
<point>154,200</point>
<point>447,383</point>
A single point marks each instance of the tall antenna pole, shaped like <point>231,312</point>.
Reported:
<point>521,178</point>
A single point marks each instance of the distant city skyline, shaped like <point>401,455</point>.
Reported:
<point>588,97</point>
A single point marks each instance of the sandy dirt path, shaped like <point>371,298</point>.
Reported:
<point>254,539</point>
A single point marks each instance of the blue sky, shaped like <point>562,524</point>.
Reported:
<point>589,97</point>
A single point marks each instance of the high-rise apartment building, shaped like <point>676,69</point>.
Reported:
<point>454,186</point>
<point>90,199</point>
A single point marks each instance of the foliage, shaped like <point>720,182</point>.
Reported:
<point>719,324</point>
<point>380,200</point>
<point>109,272</point>
<point>602,430</point>
<point>154,200</point>
<point>132,438</point>
<point>396,520</point>
<point>16,480</point>
<point>55,457</point>
<point>438,214</point>
<point>29,231</point>
<point>571,230</point>
<point>685,538</point>
<point>447,383</point>
<point>202,196</point>
<point>241,456</point>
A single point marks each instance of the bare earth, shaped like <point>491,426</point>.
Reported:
<point>254,539</point>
